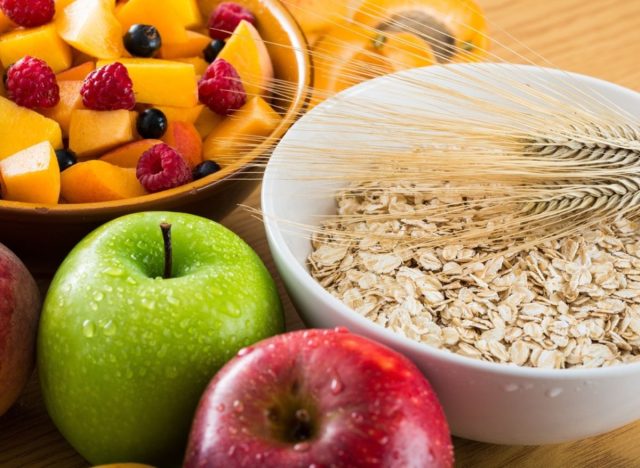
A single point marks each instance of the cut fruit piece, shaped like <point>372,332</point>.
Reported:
<point>185,139</point>
<point>22,128</point>
<point>200,65</point>
<point>246,51</point>
<point>188,13</point>
<point>457,31</point>
<point>95,132</point>
<point>128,155</point>
<point>405,50</point>
<point>207,121</point>
<point>42,42</point>
<point>5,23</point>
<point>193,46</point>
<point>70,100</point>
<point>344,57</point>
<point>181,114</point>
<point>98,181</point>
<point>161,82</point>
<point>79,72</point>
<point>91,27</point>
<point>31,175</point>
<point>162,14</point>
<point>241,132</point>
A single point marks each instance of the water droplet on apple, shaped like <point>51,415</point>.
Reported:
<point>171,372</point>
<point>109,328</point>
<point>245,351</point>
<point>306,334</point>
<point>147,304</point>
<point>336,385</point>
<point>357,417</point>
<point>221,407</point>
<point>383,440</point>
<point>162,352</point>
<point>93,306</point>
<point>341,330</point>
<point>98,296</point>
<point>184,323</point>
<point>88,329</point>
<point>115,272</point>
<point>233,431</point>
<point>173,301</point>
<point>302,447</point>
<point>238,407</point>
<point>554,392</point>
<point>312,343</point>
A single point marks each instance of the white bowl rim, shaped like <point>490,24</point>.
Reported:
<point>278,242</point>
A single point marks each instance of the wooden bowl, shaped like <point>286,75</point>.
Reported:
<point>42,236</point>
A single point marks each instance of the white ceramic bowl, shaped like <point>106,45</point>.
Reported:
<point>487,402</point>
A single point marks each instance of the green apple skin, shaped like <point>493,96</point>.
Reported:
<point>124,355</point>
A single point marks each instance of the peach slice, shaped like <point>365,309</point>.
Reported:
<point>241,132</point>
<point>42,42</point>
<point>246,51</point>
<point>199,64</point>
<point>31,175</point>
<point>185,139</point>
<point>70,100</point>
<point>193,46</point>
<point>78,72</point>
<point>129,154</point>
<point>94,132</point>
<point>161,82</point>
<point>91,27</point>
<point>98,181</point>
<point>5,22</point>
<point>22,128</point>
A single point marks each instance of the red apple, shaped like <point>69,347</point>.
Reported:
<point>19,314</point>
<point>319,398</point>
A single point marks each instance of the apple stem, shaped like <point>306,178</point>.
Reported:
<point>168,250</point>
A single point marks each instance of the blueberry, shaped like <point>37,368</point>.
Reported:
<point>152,123</point>
<point>66,159</point>
<point>142,40</point>
<point>204,169</point>
<point>213,49</point>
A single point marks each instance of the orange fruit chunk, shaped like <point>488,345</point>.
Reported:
<point>98,181</point>
<point>129,154</point>
<point>42,42</point>
<point>182,114</point>
<point>31,175</point>
<point>70,100</point>
<point>94,132</point>
<point>165,15</point>
<point>78,72</point>
<point>185,139</point>
<point>193,46</point>
<point>241,132</point>
<point>248,54</point>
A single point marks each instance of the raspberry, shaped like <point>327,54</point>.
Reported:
<point>162,168</point>
<point>108,88</point>
<point>31,83</point>
<point>29,13</point>
<point>226,17</point>
<point>221,89</point>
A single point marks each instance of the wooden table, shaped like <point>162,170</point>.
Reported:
<point>595,37</point>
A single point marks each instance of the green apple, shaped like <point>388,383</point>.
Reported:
<point>128,343</point>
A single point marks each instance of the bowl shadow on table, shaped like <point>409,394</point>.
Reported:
<point>42,236</point>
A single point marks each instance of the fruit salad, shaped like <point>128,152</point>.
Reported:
<point>105,100</point>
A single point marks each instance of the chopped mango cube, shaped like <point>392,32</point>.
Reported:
<point>31,175</point>
<point>22,128</point>
<point>182,114</point>
<point>91,27</point>
<point>163,14</point>
<point>98,181</point>
<point>241,132</point>
<point>92,133</point>
<point>70,100</point>
<point>43,43</point>
<point>193,46</point>
<point>161,82</point>
<point>78,72</point>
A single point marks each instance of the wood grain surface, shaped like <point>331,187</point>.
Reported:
<point>594,37</point>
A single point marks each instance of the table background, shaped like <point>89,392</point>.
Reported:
<point>594,37</point>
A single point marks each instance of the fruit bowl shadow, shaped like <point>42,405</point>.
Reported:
<point>42,235</point>
<point>488,402</point>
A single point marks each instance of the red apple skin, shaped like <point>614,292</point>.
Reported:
<point>19,315</point>
<point>368,406</point>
